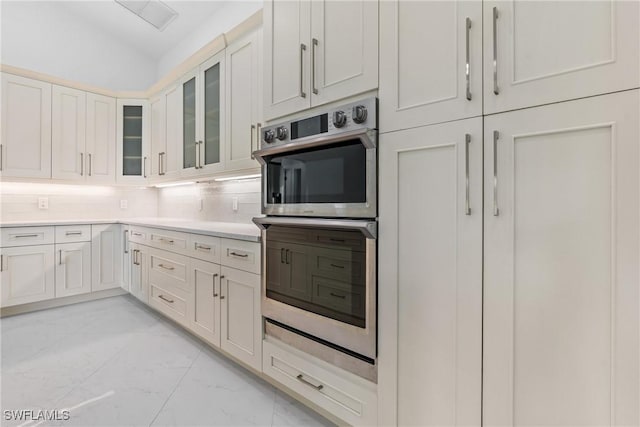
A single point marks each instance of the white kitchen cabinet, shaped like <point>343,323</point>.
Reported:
<point>106,256</point>
<point>126,258</point>
<point>133,133</point>
<point>73,269</point>
<point>68,133</point>
<point>28,274</point>
<point>173,132</point>
<point>430,62</point>
<point>430,324</point>
<point>205,302</point>
<point>241,321</point>
<point>553,51</point>
<point>158,107</point>
<point>561,250</point>
<point>25,148</point>
<point>139,285</point>
<point>101,139</point>
<point>243,101</point>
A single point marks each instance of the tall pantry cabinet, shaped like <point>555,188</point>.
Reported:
<point>532,287</point>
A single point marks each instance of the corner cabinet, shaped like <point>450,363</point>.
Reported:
<point>203,118</point>
<point>317,52</point>
<point>133,133</point>
<point>25,148</point>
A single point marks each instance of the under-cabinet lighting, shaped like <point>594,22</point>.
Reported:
<point>155,12</point>
<point>174,184</point>
<point>238,178</point>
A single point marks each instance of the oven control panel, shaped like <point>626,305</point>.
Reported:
<point>358,115</point>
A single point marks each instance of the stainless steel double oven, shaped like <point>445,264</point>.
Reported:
<point>319,194</point>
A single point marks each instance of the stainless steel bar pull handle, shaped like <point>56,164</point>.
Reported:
<point>253,127</point>
<point>214,285</point>
<point>60,257</point>
<point>166,267</point>
<point>303,47</point>
<point>162,297</point>
<point>204,248</point>
<point>19,236</point>
<point>468,66</point>
<point>144,167</point>
<point>239,255</point>
<point>89,166</point>
<point>496,135</point>
<point>1,263</point>
<point>467,206</point>
<point>126,240</point>
<point>221,296</point>
<point>496,90</point>
<point>73,233</point>
<point>81,164</point>
<point>1,160</point>
<point>314,45</point>
<point>300,378</point>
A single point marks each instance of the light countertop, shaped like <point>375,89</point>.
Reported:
<point>228,230</point>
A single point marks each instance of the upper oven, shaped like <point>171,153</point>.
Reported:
<point>322,166</point>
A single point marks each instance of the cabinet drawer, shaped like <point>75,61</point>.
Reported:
<point>206,248</point>
<point>168,303</point>
<point>27,236</point>
<point>241,255</point>
<point>169,269</point>
<point>138,235</point>
<point>169,240</point>
<point>342,394</point>
<point>73,233</point>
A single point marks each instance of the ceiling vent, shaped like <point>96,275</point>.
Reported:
<point>154,12</point>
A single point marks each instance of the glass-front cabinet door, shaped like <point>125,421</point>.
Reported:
<point>203,133</point>
<point>133,134</point>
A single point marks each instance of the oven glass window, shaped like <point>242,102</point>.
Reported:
<point>328,174</point>
<point>318,270</point>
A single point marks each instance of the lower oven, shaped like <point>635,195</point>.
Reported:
<point>319,283</point>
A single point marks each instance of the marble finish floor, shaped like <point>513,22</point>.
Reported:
<point>115,362</point>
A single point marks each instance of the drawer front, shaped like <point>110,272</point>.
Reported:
<point>169,240</point>
<point>27,236</point>
<point>241,255</point>
<point>168,303</point>
<point>351,401</point>
<point>138,235</point>
<point>169,269</point>
<point>73,233</point>
<point>206,248</point>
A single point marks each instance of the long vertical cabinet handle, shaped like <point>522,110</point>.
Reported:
<point>159,163</point>
<point>467,206</point>
<point>314,44</point>
<point>60,257</point>
<point>214,285</point>
<point>126,240</point>
<point>468,66</point>
<point>144,167</point>
<point>81,164</point>
<point>1,263</point>
<point>1,159</point>
<point>303,47</point>
<point>496,90</point>
<point>221,296</point>
<point>496,136</point>
<point>253,128</point>
<point>89,166</point>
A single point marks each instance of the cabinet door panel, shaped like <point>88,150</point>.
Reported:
<point>205,312</point>
<point>101,139</point>
<point>139,272</point>
<point>287,26</point>
<point>423,62</point>
<point>68,133</point>
<point>557,50</point>
<point>170,160</point>
<point>158,134</point>
<point>432,252</point>
<point>133,132</point>
<point>73,269</point>
<point>26,127</point>
<point>344,49</point>
<point>28,274</point>
<point>561,272</point>
<point>210,119</point>
<point>106,257</point>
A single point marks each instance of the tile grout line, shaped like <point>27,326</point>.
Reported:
<point>176,386</point>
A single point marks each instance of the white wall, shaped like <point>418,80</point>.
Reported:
<point>42,37</point>
<point>228,17</point>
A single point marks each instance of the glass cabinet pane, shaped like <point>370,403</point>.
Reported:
<point>189,123</point>
<point>132,140</point>
<point>212,115</point>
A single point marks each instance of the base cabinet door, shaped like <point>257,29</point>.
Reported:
<point>561,249</point>
<point>241,324</point>
<point>205,301</point>
<point>28,274</point>
<point>106,259</point>
<point>430,324</point>
<point>139,286</point>
<point>73,269</point>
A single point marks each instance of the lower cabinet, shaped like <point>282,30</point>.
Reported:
<point>139,267</point>
<point>205,304</point>
<point>106,259</point>
<point>73,269</point>
<point>126,259</point>
<point>28,274</point>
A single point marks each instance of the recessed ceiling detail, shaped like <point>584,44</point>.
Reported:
<point>155,12</point>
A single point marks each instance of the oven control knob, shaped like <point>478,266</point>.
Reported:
<point>269,136</point>
<point>281,133</point>
<point>339,119</point>
<point>359,113</point>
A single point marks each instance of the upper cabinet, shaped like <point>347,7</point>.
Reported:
<point>158,107</point>
<point>133,134</point>
<point>25,148</point>
<point>68,133</point>
<point>542,52</point>
<point>101,139</point>
<point>318,52</point>
<point>243,102</point>
<point>203,117</point>
<point>430,62</point>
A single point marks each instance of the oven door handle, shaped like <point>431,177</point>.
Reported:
<point>368,137</point>
<point>368,228</point>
